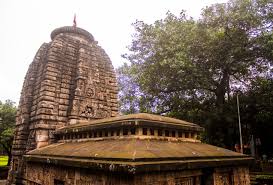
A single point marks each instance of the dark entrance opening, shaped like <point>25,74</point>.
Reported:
<point>58,182</point>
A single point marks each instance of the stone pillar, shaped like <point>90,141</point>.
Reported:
<point>139,131</point>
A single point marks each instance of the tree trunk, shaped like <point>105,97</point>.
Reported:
<point>220,96</point>
<point>221,91</point>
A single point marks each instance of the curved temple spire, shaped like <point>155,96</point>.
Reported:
<point>71,78</point>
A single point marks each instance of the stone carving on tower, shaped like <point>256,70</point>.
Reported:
<point>71,78</point>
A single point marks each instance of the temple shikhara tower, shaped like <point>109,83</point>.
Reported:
<point>70,78</point>
<point>68,131</point>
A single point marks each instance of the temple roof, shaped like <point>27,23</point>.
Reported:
<point>136,153</point>
<point>73,30</point>
<point>141,118</point>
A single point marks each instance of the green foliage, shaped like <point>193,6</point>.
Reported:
<point>257,111</point>
<point>7,125</point>
<point>264,177</point>
<point>3,160</point>
<point>192,69</point>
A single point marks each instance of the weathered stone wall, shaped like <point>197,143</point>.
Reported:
<point>241,176</point>
<point>39,173</point>
<point>70,78</point>
<point>231,176</point>
<point>23,119</point>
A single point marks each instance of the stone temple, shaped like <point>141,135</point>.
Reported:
<point>71,78</point>
<point>68,131</point>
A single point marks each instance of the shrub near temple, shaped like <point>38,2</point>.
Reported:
<point>3,160</point>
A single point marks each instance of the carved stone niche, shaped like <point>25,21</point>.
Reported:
<point>100,113</point>
<point>80,87</point>
<point>90,92</point>
<point>42,138</point>
<point>75,108</point>
<point>88,112</point>
<point>83,71</point>
<point>81,83</point>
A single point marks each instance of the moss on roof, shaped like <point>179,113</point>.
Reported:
<point>135,152</point>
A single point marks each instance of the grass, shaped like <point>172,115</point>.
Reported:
<point>3,160</point>
<point>264,177</point>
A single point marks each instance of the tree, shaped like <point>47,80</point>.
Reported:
<point>131,98</point>
<point>190,69</point>
<point>257,112</point>
<point>129,93</point>
<point>7,125</point>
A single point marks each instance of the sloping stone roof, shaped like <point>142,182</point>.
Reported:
<point>144,117</point>
<point>137,152</point>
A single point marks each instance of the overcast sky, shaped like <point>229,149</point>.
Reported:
<point>26,24</point>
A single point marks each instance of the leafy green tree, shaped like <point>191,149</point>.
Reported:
<point>7,125</point>
<point>191,69</point>
<point>257,113</point>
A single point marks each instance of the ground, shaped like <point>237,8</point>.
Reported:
<point>3,160</point>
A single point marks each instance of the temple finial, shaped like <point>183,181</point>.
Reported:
<point>74,21</point>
